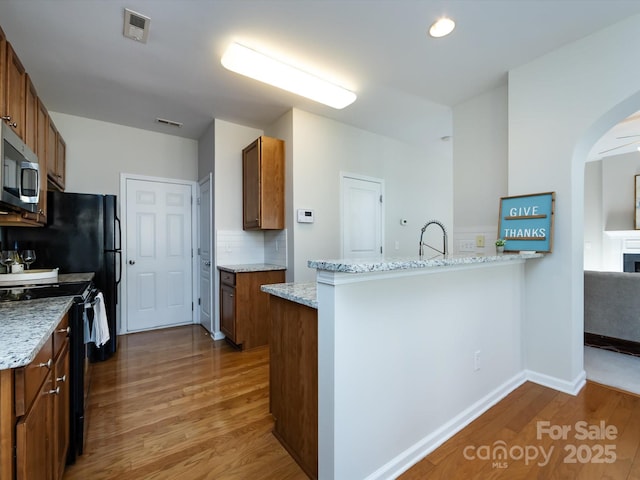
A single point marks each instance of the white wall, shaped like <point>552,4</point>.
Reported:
<point>97,152</point>
<point>479,152</point>
<point>559,105</point>
<point>397,371</point>
<point>418,186</point>
<point>206,151</point>
<point>593,223</point>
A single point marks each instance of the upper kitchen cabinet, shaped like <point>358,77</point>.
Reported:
<point>3,48</point>
<point>14,92</point>
<point>31,116</point>
<point>56,158</point>
<point>263,184</point>
<point>21,108</point>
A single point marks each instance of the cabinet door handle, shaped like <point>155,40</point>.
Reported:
<point>132,262</point>
<point>47,364</point>
<point>7,118</point>
<point>64,330</point>
<point>231,294</point>
<point>55,391</point>
<point>61,379</point>
<point>207,263</point>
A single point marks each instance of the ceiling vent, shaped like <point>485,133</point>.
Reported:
<point>136,26</point>
<point>171,123</point>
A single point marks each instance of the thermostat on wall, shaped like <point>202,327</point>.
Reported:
<point>305,216</point>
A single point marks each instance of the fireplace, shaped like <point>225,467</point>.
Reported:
<point>631,262</point>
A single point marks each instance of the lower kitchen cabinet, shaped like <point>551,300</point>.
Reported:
<point>34,413</point>
<point>33,437</point>
<point>244,308</point>
<point>61,412</point>
<point>293,380</point>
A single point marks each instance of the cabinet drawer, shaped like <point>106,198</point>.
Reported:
<point>60,335</point>
<point>228,278</point>
<point>28,380</point>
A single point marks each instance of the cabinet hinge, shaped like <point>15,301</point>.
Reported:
<point>192,306</point>
<point>380,198</point>
<point>199,302</point>
<point>198,201</point>
<point>380,249</point>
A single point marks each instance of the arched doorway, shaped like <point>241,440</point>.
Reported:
<point>609,169</point>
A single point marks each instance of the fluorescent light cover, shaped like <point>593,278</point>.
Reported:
<point>249,62</point>
<point>442,27</point>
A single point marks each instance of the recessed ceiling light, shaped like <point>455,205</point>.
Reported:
<point>442,27</point>
<point>251,63</point>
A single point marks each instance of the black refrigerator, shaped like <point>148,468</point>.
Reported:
<point>82,235</point>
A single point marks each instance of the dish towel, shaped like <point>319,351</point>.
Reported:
<point>100,325</point>
<point>89,332</point>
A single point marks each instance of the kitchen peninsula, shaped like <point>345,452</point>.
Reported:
<point>409,351</point>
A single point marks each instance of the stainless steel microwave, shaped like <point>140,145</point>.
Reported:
<point>20,174</point>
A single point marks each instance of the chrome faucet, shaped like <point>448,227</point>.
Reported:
<point>444,239</point>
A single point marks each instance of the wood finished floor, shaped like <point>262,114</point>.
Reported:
<point>172,404</point>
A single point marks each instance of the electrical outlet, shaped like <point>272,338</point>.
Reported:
<point>480,241</point>
<point>476,361</point>
<point>466,246</point>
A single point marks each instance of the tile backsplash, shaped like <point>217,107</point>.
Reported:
<point>239,246</point>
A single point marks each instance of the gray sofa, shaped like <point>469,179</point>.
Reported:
<point>612,304</point>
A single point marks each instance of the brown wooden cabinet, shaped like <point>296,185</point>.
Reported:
<point>35,138</point>
<point>56,157</point>
<point>61,414</point>
<point>19,102</point>
<point>244,308</point>
<point>14,91</point>
<point>34,413</point>
<point>30,115</point>
<point>263,179</point>
<point>3,53</point>
<point>293,380</point>
<point>61,162</point>
<point>33,437</point>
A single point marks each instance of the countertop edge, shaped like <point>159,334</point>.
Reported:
<point>251,267</point>
<point>301,293</point>
<point>391,264</point>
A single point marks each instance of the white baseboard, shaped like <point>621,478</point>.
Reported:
<point>572,388</point>
<point>421,449</point>
<point>218,336</point>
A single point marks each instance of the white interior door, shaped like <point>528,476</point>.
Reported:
<point>362,216</point>
<point>158,254</point>
<point>205,205</point>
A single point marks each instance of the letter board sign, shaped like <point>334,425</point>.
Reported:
<point>526,222</point>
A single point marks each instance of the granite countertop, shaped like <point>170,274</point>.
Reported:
<point>250,267</point>
<point>388,264</point>
<point>25,327</point>
<point>303,293</point>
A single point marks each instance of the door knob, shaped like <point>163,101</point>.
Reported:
<point>132,262</point>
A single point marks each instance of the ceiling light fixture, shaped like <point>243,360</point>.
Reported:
<point>251,63</point>
<point>442,27</point>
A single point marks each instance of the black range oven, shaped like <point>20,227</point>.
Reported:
<point>81,311</point>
